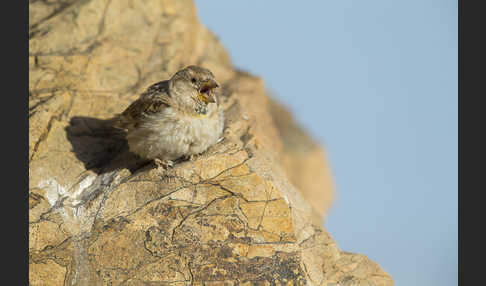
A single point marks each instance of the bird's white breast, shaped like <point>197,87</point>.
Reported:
<point>170,134</point>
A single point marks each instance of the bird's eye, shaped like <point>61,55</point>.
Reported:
<point>193,80</point>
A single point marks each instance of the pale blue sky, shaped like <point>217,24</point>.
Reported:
<point>376,83</point>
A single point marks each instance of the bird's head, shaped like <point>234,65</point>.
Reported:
<point>194,87</point>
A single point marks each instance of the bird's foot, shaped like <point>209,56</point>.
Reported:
<point>191,158</point>
<point>163,165</point>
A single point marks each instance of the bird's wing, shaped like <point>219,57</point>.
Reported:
<point>151,101</point>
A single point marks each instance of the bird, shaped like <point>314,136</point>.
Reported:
<point>175,118</point>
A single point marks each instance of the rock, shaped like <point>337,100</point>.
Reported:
<point>243,213</point>
<point>304,161</point>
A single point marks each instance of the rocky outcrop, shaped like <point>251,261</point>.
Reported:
<point>246,212</point>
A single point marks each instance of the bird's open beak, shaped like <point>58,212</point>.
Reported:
<point>206,92</point>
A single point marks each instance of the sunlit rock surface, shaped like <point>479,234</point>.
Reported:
<point>246,212</point>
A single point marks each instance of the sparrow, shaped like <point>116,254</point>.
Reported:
<point>174,118</point>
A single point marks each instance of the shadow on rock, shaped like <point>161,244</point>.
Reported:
<point>101,147</point>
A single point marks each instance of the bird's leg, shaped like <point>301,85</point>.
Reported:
<point>192,157</point>
<point>163,164</point>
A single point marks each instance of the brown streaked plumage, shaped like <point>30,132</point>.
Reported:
<point>174,118</point>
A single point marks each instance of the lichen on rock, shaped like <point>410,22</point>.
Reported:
<point>242,213</point>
